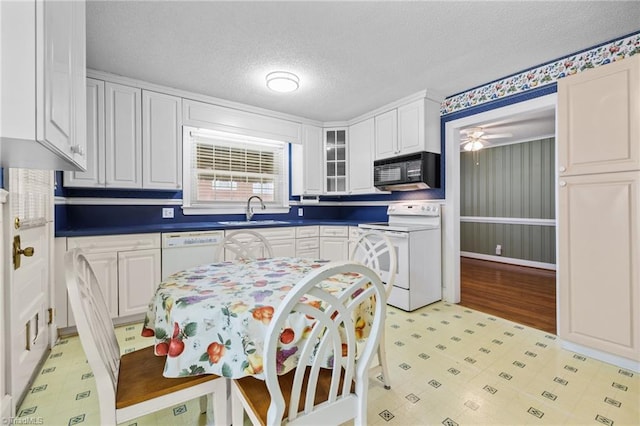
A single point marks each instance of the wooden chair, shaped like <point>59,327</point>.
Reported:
<point>129,385</point>
<point>244,244</point>
<point>375,250</point>
<point>313,394</point>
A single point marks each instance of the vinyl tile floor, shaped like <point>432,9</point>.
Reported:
<point>449,365</point>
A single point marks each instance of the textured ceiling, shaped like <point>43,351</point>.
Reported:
<point>351,57</point>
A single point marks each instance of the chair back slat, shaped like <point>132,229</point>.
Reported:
<point>331,341</point>
<point>244,244</point>
<point>375,250</point>
<point>94,325</point>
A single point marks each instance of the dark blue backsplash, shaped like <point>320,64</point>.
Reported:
<point>73,217</point>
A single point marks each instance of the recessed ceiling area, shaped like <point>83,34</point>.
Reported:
<point>350,57</point>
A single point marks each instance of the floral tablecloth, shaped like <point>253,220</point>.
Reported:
<point>213,318</point>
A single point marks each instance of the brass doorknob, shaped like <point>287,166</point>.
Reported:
<point>18,251</point>
<point>27,252</point>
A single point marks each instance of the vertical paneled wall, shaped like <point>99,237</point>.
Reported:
<point>505,185</point>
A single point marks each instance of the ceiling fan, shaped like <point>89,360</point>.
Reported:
<point>475,138</point>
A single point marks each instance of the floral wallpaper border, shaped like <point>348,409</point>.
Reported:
<point>544,74</point>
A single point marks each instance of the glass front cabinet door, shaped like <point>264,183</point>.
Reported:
<point>336,160</point>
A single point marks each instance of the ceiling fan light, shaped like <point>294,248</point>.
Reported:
<point>476,145</point>
<point>282,81</point>
<point>468,146</point>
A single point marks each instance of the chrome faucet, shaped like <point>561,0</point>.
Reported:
<point>249,209</point>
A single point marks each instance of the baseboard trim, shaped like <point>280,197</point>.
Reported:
<point>6,410</point>
<point>616,360</point>
<point>509,260</point>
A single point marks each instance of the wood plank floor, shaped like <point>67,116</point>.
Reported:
<point>521,294</point>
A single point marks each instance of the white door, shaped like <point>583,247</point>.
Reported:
<point>28,296</point>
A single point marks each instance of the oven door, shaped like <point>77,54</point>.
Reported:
<point>400,242</point>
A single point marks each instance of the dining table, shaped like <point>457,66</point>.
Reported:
<point>213,318</point>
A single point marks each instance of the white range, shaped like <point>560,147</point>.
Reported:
<point>414,230</point>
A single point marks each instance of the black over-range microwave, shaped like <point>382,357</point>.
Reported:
<point>407,172</point>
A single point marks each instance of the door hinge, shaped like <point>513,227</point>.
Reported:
<point>50,310</point>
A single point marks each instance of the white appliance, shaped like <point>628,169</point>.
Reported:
<point>182,250</point>
<point>414,230</point>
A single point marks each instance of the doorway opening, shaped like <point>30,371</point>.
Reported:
<point>506,127</point>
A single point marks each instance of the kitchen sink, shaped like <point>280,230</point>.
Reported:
<point>252,222</point>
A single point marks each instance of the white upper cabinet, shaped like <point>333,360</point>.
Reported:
<point>94,176</point>
<point>161,141</point>
<point>361,137</point>
<point>599,119</point>
<point>335,160</point>
<point>43,71</point>
<point>134,139</point>
<point>386,137</point>
<point>123,136</point>
<point>410,128</point>
<point>306,169</point>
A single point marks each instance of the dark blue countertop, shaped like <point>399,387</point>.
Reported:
<point>193,226</point>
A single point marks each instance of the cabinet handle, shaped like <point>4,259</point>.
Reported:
<point>563,183</point>
<point>563,169</point>
<point>77,149</point>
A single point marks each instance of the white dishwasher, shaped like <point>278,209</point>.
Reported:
<point>182,250</point>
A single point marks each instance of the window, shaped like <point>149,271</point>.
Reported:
<point>222,170</point>
<point>31,193</point>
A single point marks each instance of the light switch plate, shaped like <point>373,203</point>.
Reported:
<point>167,212</point>
<point>300,212</point>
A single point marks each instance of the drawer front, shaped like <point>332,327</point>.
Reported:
<point>307,231</point>
<point>334,231</point>
<point>114,243</point>
<point>283,233</point>
<point>307,243</point>
<point>313,253</point>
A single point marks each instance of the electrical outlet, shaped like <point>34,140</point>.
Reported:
<point>499,250</point>
<point>167,212</point>
<point>300,212</point>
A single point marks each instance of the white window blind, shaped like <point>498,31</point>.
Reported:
<point>30,192</point>
<point>225,170</point>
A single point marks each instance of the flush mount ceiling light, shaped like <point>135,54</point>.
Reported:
<point>282,81</point>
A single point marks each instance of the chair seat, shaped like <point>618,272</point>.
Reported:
<point>257,395</point>
<point>141,379</point>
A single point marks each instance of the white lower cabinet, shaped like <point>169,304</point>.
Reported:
<point>599,240</point>
<point>105,266</point>
<point>308,242</point>
<point>282,241</point>
<point>127,267</point>
<point>138,278</point>
<point>334,242</point>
